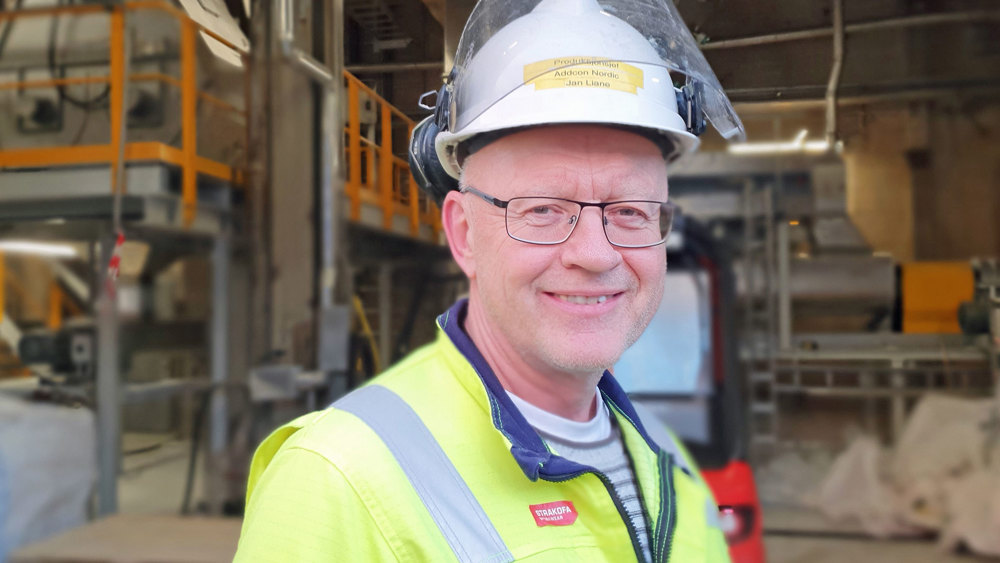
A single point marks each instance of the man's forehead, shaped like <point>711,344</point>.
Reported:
<point>610,161</point>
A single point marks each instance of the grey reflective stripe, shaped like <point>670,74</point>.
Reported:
<point>449,501</point>
<point>657,430</point>
<point>712,513</point>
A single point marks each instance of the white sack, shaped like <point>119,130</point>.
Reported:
<point>973,505</point>
<point>943,436</point>
<point>47,470</point>
<point>855,489</point>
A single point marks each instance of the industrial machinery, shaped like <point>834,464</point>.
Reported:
<point>982,314</point>
<point>70,353</point>
<point>122,122</point>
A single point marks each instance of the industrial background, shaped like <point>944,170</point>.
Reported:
<point>208,227</point>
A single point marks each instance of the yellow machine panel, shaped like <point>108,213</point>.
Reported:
<point>932,292</point>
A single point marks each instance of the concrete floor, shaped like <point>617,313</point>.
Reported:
<point>835,550</point>
<point>154,477</point>
<point>799,535</point>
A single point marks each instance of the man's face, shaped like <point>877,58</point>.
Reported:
<point>572,307</point>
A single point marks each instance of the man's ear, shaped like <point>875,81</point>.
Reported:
<point>459,233</point>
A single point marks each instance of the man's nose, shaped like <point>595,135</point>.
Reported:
<point>588,246</point>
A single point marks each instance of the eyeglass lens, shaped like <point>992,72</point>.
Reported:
<point>543,220</point>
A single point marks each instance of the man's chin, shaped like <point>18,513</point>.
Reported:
<point>583,362</point>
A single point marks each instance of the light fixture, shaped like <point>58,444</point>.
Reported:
<point>797,145</point>
<point>38,248</point>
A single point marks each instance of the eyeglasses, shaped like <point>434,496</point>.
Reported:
<point>551,220</point>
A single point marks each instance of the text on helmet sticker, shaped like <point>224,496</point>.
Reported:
<point>583,72</point>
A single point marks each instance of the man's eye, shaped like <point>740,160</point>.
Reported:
<point>628,212</point>
<point>541,210</point>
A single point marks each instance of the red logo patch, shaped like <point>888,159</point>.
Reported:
<point>558,513</point>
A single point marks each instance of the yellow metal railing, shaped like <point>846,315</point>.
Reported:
<point>187,158</point>
<point>375,175</point>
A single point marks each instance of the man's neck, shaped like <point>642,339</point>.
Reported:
<point>569,395</point>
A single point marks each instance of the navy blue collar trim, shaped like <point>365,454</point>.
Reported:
<point>527,446</point>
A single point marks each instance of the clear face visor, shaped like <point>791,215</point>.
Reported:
<point>617,44</point>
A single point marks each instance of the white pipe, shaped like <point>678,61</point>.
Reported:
<point>38,248</point>
<point>835,72</point>
<point>302,60</point>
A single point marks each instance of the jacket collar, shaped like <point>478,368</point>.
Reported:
<point>527,446</point>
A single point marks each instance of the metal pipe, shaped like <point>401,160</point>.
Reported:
<point>766,39</point>
<point>860,27</point>
<point>835,72</point>
<point>770,106</point>
<point>299,58</point>
<point>108,386</point>
<point>331,190</point>
<point>784,288</point>
<point>395,67</point>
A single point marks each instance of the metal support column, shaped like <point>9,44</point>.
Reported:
<point>108,386</point>
<point>218,341</point>
<point>898,382</point>
<point>385,313</point>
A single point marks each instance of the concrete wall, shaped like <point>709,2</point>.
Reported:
<point>957,189</point>
<point>924,182</point>
<point>879,185</point>
<point>923,178</point>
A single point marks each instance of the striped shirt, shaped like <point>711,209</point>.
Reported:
<point>596,443</point>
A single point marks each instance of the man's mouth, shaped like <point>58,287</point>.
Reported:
<point>583,300</point>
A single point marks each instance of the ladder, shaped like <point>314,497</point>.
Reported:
<point>759,306</point>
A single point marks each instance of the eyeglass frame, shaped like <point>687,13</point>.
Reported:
<point>502,204</point>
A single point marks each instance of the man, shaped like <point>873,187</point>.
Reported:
<point>507,439</point>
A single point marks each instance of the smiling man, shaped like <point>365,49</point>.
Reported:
<point>508,439</point>
<point>555,303</point>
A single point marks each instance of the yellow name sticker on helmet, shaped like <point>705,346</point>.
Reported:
<point>583,72</point>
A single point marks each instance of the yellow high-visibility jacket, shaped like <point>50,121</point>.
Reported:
<point>431,461</point>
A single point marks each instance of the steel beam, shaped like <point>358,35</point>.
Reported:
<point>395,67</point>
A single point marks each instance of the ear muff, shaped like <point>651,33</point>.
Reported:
<point>424,164</point>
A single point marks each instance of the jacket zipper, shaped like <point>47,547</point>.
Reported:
<point>668,508</point>
<point>633,533</point>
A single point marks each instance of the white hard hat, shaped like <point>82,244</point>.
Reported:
<point>523,63</point>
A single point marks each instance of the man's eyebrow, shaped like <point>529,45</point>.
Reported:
<point>629,188</point>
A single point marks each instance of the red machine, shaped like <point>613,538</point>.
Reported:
<point>684,368</point>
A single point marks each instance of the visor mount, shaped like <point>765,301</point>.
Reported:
<point>423,97</point>
<point>690,101</point>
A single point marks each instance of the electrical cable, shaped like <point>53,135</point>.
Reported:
<point>101,100</point>
<point>5,36</point>
<point>199,421</point>
<point>366,331</point>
